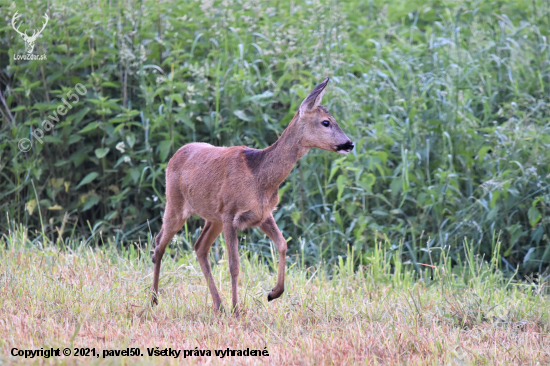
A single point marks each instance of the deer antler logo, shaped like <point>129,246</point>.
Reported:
<point>29,40</point>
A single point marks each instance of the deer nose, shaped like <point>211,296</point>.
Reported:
<point>346,147</point>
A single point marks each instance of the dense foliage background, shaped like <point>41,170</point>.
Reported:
<point>446,100</point>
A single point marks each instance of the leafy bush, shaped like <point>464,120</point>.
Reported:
<point>447,102</point>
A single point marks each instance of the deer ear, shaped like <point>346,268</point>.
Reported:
<point>314,98</point>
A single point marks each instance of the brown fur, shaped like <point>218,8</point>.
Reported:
<point>237,187</point>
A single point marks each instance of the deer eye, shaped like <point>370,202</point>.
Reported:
<point>326,123</point>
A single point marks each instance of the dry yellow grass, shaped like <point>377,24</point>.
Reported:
<point>98,299</point>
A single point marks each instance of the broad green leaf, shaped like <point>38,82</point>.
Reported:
<point>481,153</point>
<point>101,152</point>
<point>90,202</point>
<point>534,216</point>
<point>295,216</point>
<point>242,115</point>
<point>74,138</point>
<point>396,185</point>
<point>367,181</point>
<point>496,195</point>
<point>130,140</point>
<point>340,183</point>
<point>164,149</point>
<point>177,98</point>
<point>89,127</point>
<point>87,179</point>
<point>338,218</point>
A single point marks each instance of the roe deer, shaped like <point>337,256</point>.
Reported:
<point>237,187</point>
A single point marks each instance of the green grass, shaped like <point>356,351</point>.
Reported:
<point>446,100</point>
<point>69,295</point>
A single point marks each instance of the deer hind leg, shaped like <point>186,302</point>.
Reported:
<point>232,243</point>
<point>202,248</point>
<point>172,223</point>
<point>270,228</point>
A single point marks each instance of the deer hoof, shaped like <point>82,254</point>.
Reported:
<point>237,313</point>
<point>154,301</point>
<point>274,295</point>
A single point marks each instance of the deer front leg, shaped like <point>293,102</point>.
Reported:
<point>232,244</point>
<point>270,228</point>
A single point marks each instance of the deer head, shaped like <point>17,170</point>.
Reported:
<point>319,128</point>
<point>29,40</point>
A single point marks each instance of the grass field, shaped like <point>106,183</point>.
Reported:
<point>73,296</point>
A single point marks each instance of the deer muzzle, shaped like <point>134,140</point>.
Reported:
<point>345,148</point>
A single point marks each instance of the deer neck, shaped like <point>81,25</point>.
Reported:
<point>275,163</point>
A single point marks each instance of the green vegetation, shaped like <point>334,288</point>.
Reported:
<point>446,100</point>
<point>384,313</point>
